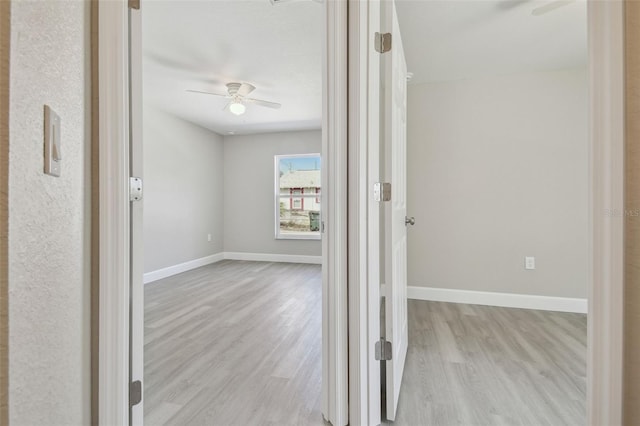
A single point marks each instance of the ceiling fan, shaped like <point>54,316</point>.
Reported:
<point>553,5</point>
<point>237,95</point>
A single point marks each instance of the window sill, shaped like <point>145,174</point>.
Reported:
<point>299,236</point>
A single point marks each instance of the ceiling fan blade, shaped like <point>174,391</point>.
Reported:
<point>245,89</point>
<point>550,7</point>
<point>259,102</point>
<point>208,93</point>
<point>226,107</point>
<point>166,61</point>
<point>196,66</point>
<point>510,4</point>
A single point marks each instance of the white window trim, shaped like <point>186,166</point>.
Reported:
<point>277,196</point>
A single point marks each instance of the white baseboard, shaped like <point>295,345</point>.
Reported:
<point>258,257</point>
<point>182,267</point>
<point>268,257</point>
<point>508,300</point>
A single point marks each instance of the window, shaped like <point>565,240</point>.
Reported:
<point>297,196</point>
<point>296,202</point>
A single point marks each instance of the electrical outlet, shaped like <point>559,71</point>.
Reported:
<point>529,262</point>
<point>209,237</point>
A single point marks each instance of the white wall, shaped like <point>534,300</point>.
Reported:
<point>249,211</point>
<point>197,182</point>
<point>183,184</point>
<point>49,286</point>
<point>498,170</point>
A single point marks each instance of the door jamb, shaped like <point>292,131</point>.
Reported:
<point>606,292</point>
<point>112,216</point>
<point>113,213</point>
<point>335,373</point>
<point>364,214</point>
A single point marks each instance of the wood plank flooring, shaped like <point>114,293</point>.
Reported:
<point>234,343</point>
<point>485,365</point>
<point>239,343</point>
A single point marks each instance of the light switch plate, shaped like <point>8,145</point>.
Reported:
<point>52,153</point>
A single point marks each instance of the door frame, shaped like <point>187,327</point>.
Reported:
<point>606,34</point>
<point>364,213</point>
<point>111,214</point>
<point>606,181</point>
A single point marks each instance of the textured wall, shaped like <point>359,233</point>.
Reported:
<point>498,170</point>
<point>5,21</point>
<point>249,182</point>
<point>632,221</point>
<point>183,177</point>
<point>49,319</point>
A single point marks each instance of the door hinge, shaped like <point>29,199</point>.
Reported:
<point>135,189</point>
<point>135,393</point>
<point>384,350</point>
<point>134,4</point>
<point>383,42</point>
<point>382,191</point>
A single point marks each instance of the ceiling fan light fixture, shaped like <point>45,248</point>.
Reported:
<point>237,108</point>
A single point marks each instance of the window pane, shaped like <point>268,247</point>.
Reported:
<point>299,215</point>
<point>298,198</point>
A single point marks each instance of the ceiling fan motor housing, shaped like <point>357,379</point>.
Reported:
<point>233,88</point>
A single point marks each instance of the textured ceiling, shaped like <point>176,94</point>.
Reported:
<point>456,39</point>
<point>202,45</point>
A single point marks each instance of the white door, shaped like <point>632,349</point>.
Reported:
<point>136,339</point>
<point>395,141</point>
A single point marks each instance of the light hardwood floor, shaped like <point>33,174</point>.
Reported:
<point>239,343</point>
<point>234,343</point>
<point>485,365</point>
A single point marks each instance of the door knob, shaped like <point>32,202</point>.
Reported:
<point>409,220</point>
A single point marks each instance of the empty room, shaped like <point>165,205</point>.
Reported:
<point>497,205</point>
<point>231,124</point>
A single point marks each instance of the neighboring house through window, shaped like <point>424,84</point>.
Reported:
<point>298,196</point>
<point>296,203</point>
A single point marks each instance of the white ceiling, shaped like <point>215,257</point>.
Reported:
<point>460,39</point>
<point>202,45</point>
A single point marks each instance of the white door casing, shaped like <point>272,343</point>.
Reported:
<point>395,147</point>
<point>136,337</point>
<point>113,214</point>
<point>606,284</point>
<point>335,372</point>
<point>364,213</point>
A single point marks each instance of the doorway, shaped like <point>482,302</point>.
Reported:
<point>498,178</point>
<point>232,111</point>
<point>604,29</point>
<point>333,301</point>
